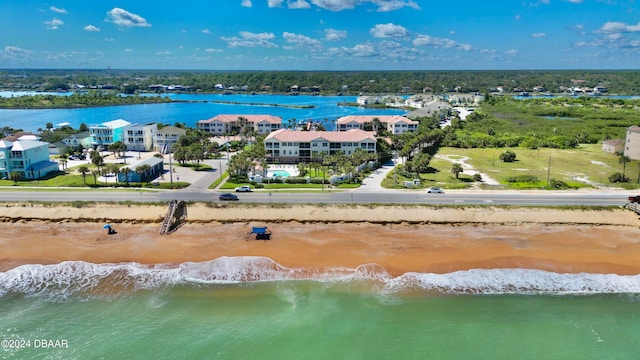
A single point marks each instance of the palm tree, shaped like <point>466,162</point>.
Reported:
<point>64,161</point>
<point>143,171</point>
<point>456,169</point>
<point>623,159</point>
<point>377,125</point>
<point>84,170</point>
<point>95,174</point>
<point>125,171</point>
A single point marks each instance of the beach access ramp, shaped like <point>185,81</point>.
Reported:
<point>175,217</point>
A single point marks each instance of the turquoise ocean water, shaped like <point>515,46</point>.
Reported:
<point>253,308</point>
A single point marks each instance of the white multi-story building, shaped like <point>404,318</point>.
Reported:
<point>290,146</point>
<point>632,143</point>
<point>139,137</point>
<point>231,123</point>
<point>394,124</point>
<point>29,158</point>
<point>165,138</point>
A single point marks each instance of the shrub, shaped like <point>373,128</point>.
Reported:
<point>558,184</point>
<point>508,156</point>
<point>295,180</point>
<point>319,181</point>
<point>477,177</point>
<point>618,177</point>
<point>523,179</point>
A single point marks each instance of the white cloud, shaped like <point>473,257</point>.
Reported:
<point>298,4</point>
<point>206,31</point>
<point>301,40</point>
<point>361,50</point>
<point>576,1</point>
<point>382,5</point>
<point>335,5</point>
<point>14,52</point>
<point>618,27</point>
<point>334,35</point>
<point>213,50</point>
<point>426,40</point>
<point>248,39</point>
<point>388,30</point>
<point>390,5</point>
<point>246,3</point>
<point>275,3</point>
<point>58,10</point>
<point>91,28</point>
<point>163,52</point>
<point>538,35</point>
<point>109,39</point>
<point>124,18</point>
<point>53,24</point>
<point>512,52</point>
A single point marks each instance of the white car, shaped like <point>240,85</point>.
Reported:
<point>435,190</point>
<point>245,188</point>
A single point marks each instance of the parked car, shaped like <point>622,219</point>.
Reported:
<point>435,190</point>
<point>245,188</point>
<point>228,197</point>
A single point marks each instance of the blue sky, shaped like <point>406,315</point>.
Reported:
<point>321,34</point>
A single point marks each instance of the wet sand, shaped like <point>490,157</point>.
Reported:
<point>401,239</point>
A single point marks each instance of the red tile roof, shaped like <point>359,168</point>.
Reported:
<point>361,119</point>
<point>229,118</point>
<point>331,136</point>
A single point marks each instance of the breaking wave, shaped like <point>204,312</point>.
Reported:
<point>82,278</point>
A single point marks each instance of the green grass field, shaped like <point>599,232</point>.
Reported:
<point>587,166</point>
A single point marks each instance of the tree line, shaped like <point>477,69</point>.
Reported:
<point>328,82</point>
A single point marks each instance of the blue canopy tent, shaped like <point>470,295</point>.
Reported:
<point>261,233</point>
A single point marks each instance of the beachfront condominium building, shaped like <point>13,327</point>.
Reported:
<point>632,143</point>
<point>292,147</point>
<point>139,137</point>
<point>165,138</point>
<point>27,159</point>
<point>394,124</point>
<point>107,133</point>
<point>233,124</point>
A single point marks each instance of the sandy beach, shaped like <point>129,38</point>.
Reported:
<point>401,239</point>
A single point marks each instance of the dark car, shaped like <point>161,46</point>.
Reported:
<point>228,197</point>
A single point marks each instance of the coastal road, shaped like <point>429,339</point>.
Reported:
<point>452,197</point>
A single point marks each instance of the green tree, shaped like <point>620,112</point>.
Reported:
<point>97,159</point>
<point>125,170</point>
<point>456,169</point>
<point>84,170</point>
<point>623,159</point>
<point>16,176</point>
<point>508,156</point>
<point>143,170</point>
<point>64,160</point>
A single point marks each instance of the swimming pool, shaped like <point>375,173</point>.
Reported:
<point>278,173</point>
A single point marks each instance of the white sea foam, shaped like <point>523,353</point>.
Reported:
<point>77,277</point>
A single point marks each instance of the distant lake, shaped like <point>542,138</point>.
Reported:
<point>325,107</point>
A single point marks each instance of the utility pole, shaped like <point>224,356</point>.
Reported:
<point>170,169</point>
<point>549,172</point>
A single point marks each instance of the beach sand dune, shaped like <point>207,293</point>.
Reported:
<point>401,239</point>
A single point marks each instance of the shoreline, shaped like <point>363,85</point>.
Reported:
<point>320,238</point>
